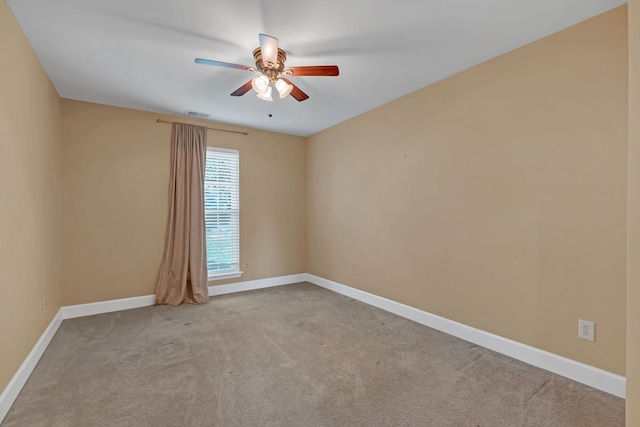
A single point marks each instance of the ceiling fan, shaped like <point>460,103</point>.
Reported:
<point>270,64</point>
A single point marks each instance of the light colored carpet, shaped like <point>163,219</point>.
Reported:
<point>295,355</point>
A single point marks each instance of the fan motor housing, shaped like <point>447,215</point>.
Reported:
<point>268,69</point>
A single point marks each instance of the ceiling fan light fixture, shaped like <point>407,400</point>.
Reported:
<point>283,87</point>
<point>270,63</point>
<point>267,95</point>
<point>261,84</point>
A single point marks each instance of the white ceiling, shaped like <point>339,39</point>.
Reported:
<point>139,53</point>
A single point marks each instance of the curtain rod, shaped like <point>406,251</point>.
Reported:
<point>219,130</point>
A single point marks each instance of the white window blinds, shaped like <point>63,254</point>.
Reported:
<point>222,211</point>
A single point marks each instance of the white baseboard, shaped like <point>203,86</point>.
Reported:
<point>82,310</point>
<point>256,284</point>
<point>90,309</point>
<point>18,381</point>
<point>597,378</point>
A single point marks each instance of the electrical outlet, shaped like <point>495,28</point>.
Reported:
<point>43,304</point>
<point>246,265</point>
<point>586,330</point>
<point>351,270</point>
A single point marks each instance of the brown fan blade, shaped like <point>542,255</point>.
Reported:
<point>296,92</point>
<point>223,64</point>
<point>314,70</point>
<point>242,89</point>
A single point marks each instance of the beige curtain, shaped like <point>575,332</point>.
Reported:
<point>183,273</point>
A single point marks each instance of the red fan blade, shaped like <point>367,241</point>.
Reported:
<point>296,92</point>
<point>315,70</point>
<point>269,48</point>
<point>222,64</point>
<point>242,89</point>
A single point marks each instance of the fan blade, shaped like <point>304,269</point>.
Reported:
<point>269,48</point>
<point>242,89</point>
<point>296,92</point>
<point>317,70</point>
<point>222,64</point>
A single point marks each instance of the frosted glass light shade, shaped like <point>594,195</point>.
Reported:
<point>267,95</point>
<point>260,84</point>
<point>283,87</point>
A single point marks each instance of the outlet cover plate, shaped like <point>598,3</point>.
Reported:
<point>586,330</point>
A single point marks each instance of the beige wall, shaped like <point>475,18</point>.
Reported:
<point>495,198</point>
<point>30,162</point>
<point>116,177</point>
<point>633,218</point>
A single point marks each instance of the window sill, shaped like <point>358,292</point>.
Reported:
<point>213,277</point>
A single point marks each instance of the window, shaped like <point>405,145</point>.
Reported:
<point>222,213</point>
